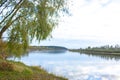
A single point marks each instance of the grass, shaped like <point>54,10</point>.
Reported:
<point>10,70</point>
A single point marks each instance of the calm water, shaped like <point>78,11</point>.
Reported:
<point>76,66</point>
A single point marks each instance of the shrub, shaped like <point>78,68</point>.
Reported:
<point>6,66</point>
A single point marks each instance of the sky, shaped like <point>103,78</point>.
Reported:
<point>90,19</point>
<point>92,23</point>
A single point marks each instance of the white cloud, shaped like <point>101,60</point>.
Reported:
<point>91,20</point>
<point>102,71</point>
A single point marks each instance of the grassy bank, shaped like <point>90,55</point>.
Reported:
<point>10,70</point>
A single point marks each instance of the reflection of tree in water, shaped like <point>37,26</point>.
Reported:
<point>13,56</point>
<point>104,56</point>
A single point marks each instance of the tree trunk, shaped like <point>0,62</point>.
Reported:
<point>3,49</point>
<point>0,36</point>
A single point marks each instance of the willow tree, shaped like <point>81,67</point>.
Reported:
<point>23,20</point>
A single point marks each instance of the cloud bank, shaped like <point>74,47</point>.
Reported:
<point>91,19</point>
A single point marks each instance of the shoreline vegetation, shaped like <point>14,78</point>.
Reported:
<point>104,50</point>
<point>11,70</point>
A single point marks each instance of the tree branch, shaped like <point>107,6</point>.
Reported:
<point>3,3</point>
<point>6,5</point>
<point>13,11</point>
<point>7,26</point>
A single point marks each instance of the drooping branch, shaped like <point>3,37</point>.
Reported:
<point>3,3</point>
<point>6,5</point>
<point>39,17</point>
<point>10,21</point>
<point>13,11</point>
<point>7,26</point>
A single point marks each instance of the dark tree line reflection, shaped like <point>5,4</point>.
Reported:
<point>104,56</point>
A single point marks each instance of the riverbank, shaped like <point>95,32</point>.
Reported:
<point>96,51</point>
<point>10,70</point>
<point>107,50</point>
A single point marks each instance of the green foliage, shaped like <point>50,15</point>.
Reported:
<point>8,49</point>
<point>24,20</point>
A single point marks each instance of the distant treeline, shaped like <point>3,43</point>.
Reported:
<point>33,48</point>
<point>103,49</point>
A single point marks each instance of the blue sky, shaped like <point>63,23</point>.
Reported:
<point>91,19</point>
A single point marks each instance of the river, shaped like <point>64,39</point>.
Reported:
<point>76,66</point>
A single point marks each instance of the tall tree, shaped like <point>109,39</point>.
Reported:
<point>23,20</point>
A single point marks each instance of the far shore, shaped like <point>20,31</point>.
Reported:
<point>95,52</point>
<point>107,50</point>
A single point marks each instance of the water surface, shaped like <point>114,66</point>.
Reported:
<point>76,66</point>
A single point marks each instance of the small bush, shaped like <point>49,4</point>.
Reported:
<point>5,66</point>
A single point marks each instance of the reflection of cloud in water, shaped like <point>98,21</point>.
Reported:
<point>76,66</point>
<point>100,71</point>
